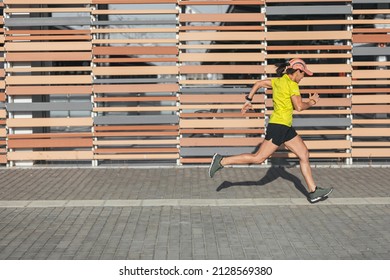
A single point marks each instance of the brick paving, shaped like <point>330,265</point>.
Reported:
<point>180,213</point>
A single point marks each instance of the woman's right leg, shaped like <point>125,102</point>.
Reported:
<point>267,148</point>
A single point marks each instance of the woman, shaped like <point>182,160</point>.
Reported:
<point>286,98</point>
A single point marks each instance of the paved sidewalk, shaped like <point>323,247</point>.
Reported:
<point>180,213</point>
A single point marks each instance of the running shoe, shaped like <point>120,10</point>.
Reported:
<point>215,165</point>
<point>319,194</point>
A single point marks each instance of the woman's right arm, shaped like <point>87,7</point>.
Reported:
<point>267,83</point>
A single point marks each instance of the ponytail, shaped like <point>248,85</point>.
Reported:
<point>282,69</point>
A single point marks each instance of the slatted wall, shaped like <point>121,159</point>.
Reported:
<point>221,56</point>
<point>49,83</point>
<point>163,81</point>
<point>320,33</point>
<point>3,112</point>
<point>371,92</point>
<point>135,81</point>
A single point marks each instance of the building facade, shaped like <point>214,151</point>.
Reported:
<point>161,82</point>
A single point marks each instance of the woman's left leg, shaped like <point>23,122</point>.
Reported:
<point>298,147</point>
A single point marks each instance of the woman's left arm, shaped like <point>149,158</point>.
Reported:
<point>299,105</point>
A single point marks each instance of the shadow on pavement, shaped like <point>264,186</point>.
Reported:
<point>272,174</point>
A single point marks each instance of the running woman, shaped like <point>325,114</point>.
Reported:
<point>286,97</point>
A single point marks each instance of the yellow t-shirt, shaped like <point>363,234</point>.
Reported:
<point>283,88</point>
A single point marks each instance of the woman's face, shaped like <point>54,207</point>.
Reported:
<point>298,76</point>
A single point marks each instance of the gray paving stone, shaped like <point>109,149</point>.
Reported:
<point>103,214</point>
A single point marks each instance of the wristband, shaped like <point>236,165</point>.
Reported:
<point>248,99</point>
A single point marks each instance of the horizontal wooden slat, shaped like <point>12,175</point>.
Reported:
<point>223,57</point>
<point>218,106</point>
<point>370,38</point>
<point>134,88</point>
<point>11,2</point>
<point>46,69</point>
<point>236,17</point>
<point>221,36</point>
<point>49,143</point>
<point>135,150</point>
<point>328,144</point>
<point>370,99</point>
<point>370,153</point>
<point>52,80</point>
<point>370,82</point>
<point>132,1</point>
<point>48,46</point>
<point>217,82</point>
<point>370,90</point>
<point>205,114</point>
<point>217,141</point>
<point>222,46</point>
<point>307,22</point>
<point>370,132</point>
<point>370,74</point>
<point>46,56</point>
<point>135,142</point>
<point>46,31</point>
<point>135,127</point>
<point>371,144</point>
<point>308,47</point>
<point>19,38</point>
<point>135,70</point>
<point>51,155</point>
<point>225,130</point>
<point>135,41</point>
<point>226,69</point>
<point>370,109</point>
<point>323,81</point>
<point>221,123</point>
<point>324,132</point>
<point>218,98</point>
<point>48,122</point>
<point>160,50</point>
<point>370,121</point>
<point>138,133</point>
<point>222,28</point>
<point>46,90</point>
<point>370,11</point>
<point>51,135</point>
<point>137,157</point>
<point>309,55</point>
<point>135,60</point>
<point>222,2</point>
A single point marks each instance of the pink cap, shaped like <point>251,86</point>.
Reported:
<point>297,63</point>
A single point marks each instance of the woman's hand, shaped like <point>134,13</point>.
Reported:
<point>247,106</point>
<point>315,97</point>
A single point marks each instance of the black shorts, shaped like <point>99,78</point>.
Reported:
<point>279,133</point>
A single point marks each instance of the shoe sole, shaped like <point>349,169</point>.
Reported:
<point>321,197</point>
<point>211,164</point>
